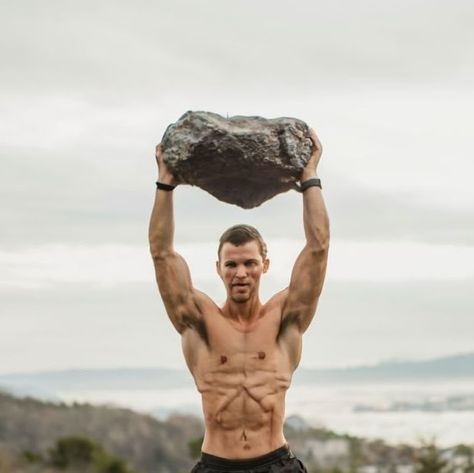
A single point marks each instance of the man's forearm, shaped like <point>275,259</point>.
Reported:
<point>316,220</point>
<point>172,272</point>
<point>161,230</point>
<point>315,217</point>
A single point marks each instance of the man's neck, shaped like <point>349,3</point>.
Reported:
<point>245,312</point>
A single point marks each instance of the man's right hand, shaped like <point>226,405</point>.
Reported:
<point>164,174</point>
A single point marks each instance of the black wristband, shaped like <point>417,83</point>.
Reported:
<point>164,187</point>
<point>310,183</point>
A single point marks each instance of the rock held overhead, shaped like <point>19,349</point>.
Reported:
<point>239,160</point>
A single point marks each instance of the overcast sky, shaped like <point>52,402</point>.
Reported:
<point>87,91</point>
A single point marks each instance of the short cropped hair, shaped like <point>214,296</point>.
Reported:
<point>241,234</point>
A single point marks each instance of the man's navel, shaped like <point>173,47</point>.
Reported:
<point>243,437</point>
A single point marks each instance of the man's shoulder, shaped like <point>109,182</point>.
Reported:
<point>203,301</point>
<point>277,301</point>
<point>277,307</point>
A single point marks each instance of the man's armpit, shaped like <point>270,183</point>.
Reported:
<point>195,323</point>
<point>289,319</point>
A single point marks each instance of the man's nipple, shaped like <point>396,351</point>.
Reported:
<point>261,355</point>
<point>223,359</point>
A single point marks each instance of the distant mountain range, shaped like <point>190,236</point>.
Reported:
<point>446,368</point>
<point>449,367</point>
<point>457,403</point>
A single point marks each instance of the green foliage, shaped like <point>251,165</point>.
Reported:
<point>356,454</point>
<point>428,459</point>
<point>32,457</point>
<point>114,465</point>
<point>75,451</point>
<point>195,447</point>
<point>467,452</point>
<point>85,454</point>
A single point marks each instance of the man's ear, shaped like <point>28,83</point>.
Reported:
<point>218,268</point>
<point>266,265</point>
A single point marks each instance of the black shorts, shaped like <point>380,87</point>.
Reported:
<point>281,460</point>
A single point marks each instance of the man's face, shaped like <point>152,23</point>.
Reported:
<point>240,268</point>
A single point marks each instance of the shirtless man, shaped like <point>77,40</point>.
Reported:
<point>242,355</point>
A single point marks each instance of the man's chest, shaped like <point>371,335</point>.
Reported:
<point>232,349</point>
<point>235,360</point>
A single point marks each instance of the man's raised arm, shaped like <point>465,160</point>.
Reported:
<point>181,301</point>
<point>307,277</point>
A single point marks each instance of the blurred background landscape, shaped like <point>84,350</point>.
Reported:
<point>91,372</point>
<point>409,417</point>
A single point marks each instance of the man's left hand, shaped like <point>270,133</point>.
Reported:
<point>310,170</point>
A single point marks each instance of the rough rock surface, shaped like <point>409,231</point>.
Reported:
<point>239,160</point>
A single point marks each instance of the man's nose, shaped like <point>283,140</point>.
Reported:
<point>241,271</point>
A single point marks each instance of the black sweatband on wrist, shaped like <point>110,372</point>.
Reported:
<point>310,183</point>
<point>164,187</point>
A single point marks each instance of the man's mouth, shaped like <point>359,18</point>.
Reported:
<point>240,284</point>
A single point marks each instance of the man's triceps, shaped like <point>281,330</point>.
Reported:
<point>175,285</point>
<point>305,288</point>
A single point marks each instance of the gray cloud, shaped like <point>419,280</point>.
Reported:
<point>101,82</point>
<point>148,46</point>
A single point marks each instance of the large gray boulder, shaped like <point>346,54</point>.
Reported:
<point>239,160</point>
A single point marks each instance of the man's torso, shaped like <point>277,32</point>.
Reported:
<point>243,374</point>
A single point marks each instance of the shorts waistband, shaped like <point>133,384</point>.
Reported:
<point>246,463</point>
